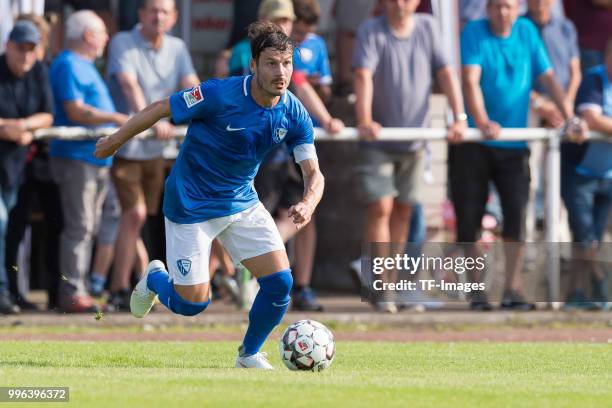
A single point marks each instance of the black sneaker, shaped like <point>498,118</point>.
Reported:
<point>479,302</point>
<point>26,306</point>
<point>306,300</point>
<point>513,300</point>
<point>7,306</point>
<point>119,301</point>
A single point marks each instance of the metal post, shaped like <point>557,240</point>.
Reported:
<point>553,209</point>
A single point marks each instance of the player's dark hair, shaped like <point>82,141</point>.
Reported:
<point>265,34</point>
<point>307,11</point>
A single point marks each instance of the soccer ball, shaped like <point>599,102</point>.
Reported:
<point>307,345</point>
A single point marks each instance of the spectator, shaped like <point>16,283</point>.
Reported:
<point>586,186</point>
<point>561,42</point>
<point>470,10</point>
<point>502,56</point>
<point>105,243</point>
<point>81,99</point>
<point>27,106</point>
<point>349,14</point>
<point>311,54</point>
<point>37,184</point>
<point>145,64</point>
<point>593,20</point>
<point>395,56</point>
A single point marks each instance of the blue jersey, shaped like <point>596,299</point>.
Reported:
<point>311,58</point>
<point>229,135</point>
<point>509,67</point>
<point>74,78</point>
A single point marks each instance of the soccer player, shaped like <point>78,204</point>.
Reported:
<point>209,194</point>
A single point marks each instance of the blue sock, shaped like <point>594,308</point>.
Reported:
<point>268,310</point>
<point>160,283</point>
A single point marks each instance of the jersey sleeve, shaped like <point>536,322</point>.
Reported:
<point>301,133</point>
<point>199,102</point>
<point>590,94</point>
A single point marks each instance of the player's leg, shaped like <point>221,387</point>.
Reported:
<point>253,240</point>
<point>185,287</point>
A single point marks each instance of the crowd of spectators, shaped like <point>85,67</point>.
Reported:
<point>553,58</point>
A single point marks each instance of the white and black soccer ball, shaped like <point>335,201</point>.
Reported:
<point>307,345</point>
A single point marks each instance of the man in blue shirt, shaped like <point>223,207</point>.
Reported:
<point>502,56</point>
<point>81,99</point>
<point>233,124</point>
<point>586,185</point>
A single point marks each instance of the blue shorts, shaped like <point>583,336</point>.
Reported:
<point>588,202</point>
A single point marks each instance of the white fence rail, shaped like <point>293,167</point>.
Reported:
<point>551,137</point>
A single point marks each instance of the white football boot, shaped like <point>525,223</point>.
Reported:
<point>143,299</point>
<point>257,360</point>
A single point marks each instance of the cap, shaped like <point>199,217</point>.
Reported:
<point>24,31</point>
<point>276,9</point>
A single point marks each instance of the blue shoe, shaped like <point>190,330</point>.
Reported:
<point>306,300</point>
<point>577,300</point>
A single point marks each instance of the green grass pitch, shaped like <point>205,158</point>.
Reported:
<point>368,374</point>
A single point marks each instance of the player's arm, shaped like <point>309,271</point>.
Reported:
<point>314,183</point>
<point>107,146</point>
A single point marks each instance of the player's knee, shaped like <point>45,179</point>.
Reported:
<point>277,285</point>
<point>186,308</point>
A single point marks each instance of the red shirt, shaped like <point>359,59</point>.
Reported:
<point>594,23</point>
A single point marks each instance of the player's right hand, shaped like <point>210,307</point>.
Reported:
<point>301,214</point>
<point>105,147</point>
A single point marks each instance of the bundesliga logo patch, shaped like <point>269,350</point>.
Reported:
<point>184,266</point>
<point>193,97</point>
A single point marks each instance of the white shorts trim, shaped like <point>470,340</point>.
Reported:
<point>245,235</point>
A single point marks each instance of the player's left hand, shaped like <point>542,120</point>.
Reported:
<point>301,214</point>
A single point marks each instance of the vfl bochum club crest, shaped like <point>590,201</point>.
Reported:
<point>184,266</point>
<point>279,134</point>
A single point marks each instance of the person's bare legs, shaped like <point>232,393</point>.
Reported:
<point>285,226</point>
<point>514,253</point>
<point>378,232</point>
<point>126,246</point>
<point>142,258</point>
<point>305,247</point>
<point>103,259</point>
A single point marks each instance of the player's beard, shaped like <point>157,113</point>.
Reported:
<point>272,92</point>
